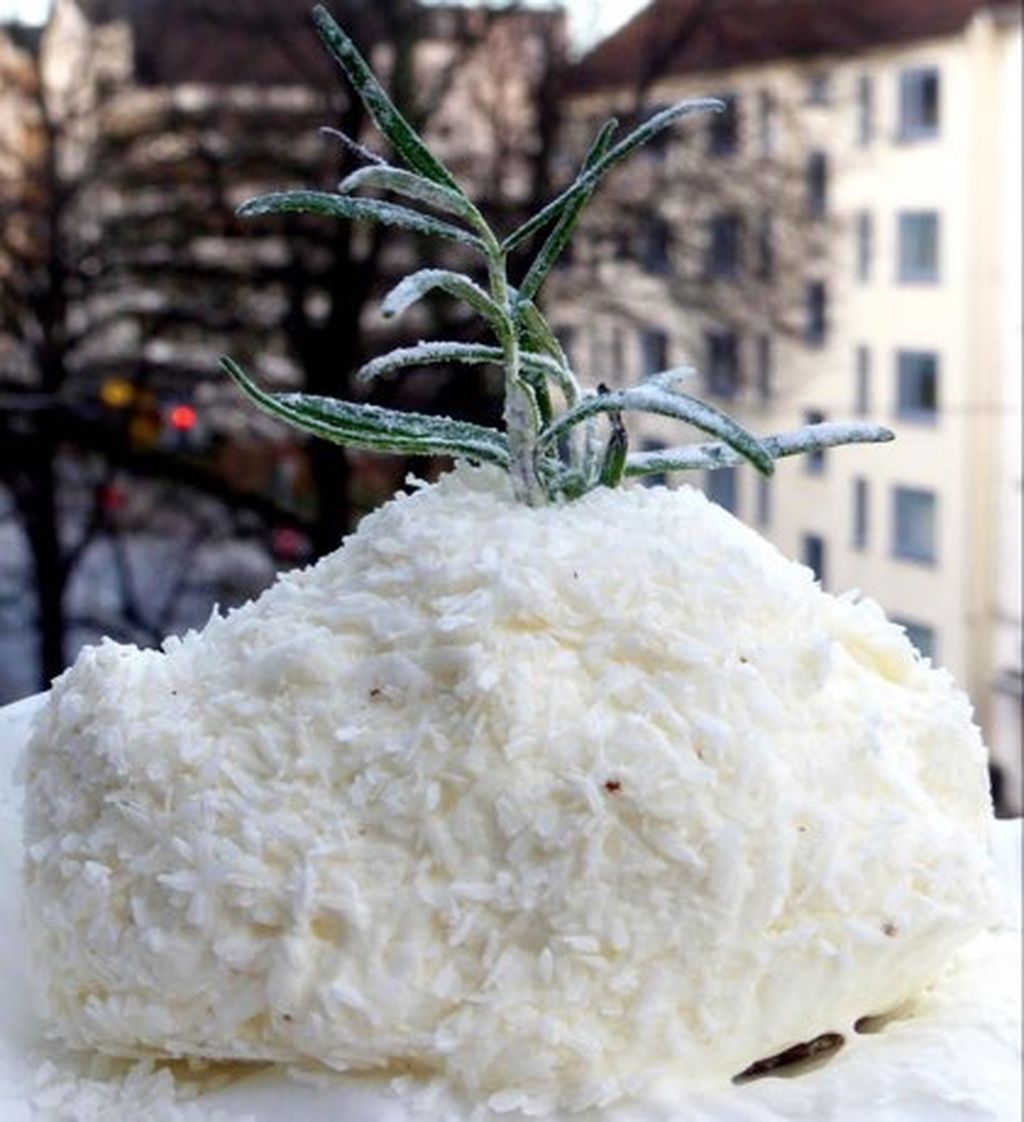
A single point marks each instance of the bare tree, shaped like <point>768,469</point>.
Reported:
<point>124,272</point>
<point>719,229</point>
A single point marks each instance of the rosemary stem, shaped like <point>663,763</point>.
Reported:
<point>549,457</point>
<point>520,410</point>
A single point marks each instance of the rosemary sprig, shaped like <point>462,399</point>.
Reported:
<point>553,449</point>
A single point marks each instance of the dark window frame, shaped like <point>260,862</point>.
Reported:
<point>862,380</point>
<point>724,259</point>
<point>766,118</point>
<point>723,136</point>
<point>817,183</point>
<point>655,250</point>
<point>865,110</point>
<point>723,363</point>
<point>816,298</point>
<point>922,271</point>
<point>766,246</point>
<point>918,384</point>
<point>919,103</point>
<point>654,345</point>
<point>865,236</point>
<point>814,554</point>
<point>861,522</point>
<point>764,501</point>
<point>819,88</point>
<point>765,368</point>
<point>721,485</point>
<point>903,549</point>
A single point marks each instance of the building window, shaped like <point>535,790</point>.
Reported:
<point>721,488</point>
<point>723,128</point>
<point>600,355</point>
<point>653,351</point>
<point>862,376</point>
<point>764,501</point>
<point>655,240</point>
<point>917,385</point>
<point>918,240</point>
<point>817,313</point>
<point>765,247</point>
<point>725,241</point>
<point>860,514</point>
<point>723,363</point>
<point>618,355</point>
<point>621,246</point>
<point>914,530</point>
<point>865,110</point>
<point>920,635</point>
<point>818,89</point>
<point>655,479</point>
<point>919,103</point>
<point>817,184</point>
<point>766,122</point>
<point>865,245</point>
<point>814,462</point>
<point>764,367</point>
<point>813,553</point>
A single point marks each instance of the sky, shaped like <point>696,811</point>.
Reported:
<point>590,19</point>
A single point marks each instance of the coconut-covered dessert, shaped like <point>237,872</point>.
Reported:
<point>543,784</point>
<point>545,799</point>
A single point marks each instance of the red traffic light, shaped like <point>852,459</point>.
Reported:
<point>183,418</point>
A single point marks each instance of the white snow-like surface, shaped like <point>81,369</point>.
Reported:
<point>550,803</point>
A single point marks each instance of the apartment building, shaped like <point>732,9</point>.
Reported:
<point>855,254</point>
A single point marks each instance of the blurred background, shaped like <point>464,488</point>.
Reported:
<point>843,242</point>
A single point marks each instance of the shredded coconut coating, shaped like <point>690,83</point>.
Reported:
<point>548,801</point>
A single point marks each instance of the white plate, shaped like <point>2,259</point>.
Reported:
<point>954,1058</point>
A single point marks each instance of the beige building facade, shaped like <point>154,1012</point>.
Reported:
<point>902,144</point>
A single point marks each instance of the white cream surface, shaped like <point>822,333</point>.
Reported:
<point>554,804</point>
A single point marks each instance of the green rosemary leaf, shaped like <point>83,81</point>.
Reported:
<point>536,333</point>
<point>372,427</point>
<point>534,366</point>
<point>586,182</point>
<point>811,438</point>
<point>427,354</point>
<point>411,186</point>
<point>388,119</point>
<point>541,395</point>
<point>542,349</point>
<point>344,206</point>
<point>535,363</point>
<point>358,150</point>
<point>547,457</point>
<point>651,399</point>
<point>417,285</point>
<point>567,484</point>
<point>561,235</point>
<point>613,465</point>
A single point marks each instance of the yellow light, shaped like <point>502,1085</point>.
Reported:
<point>116,393</point>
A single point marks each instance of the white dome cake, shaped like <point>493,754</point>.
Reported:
<point>547,801</point>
